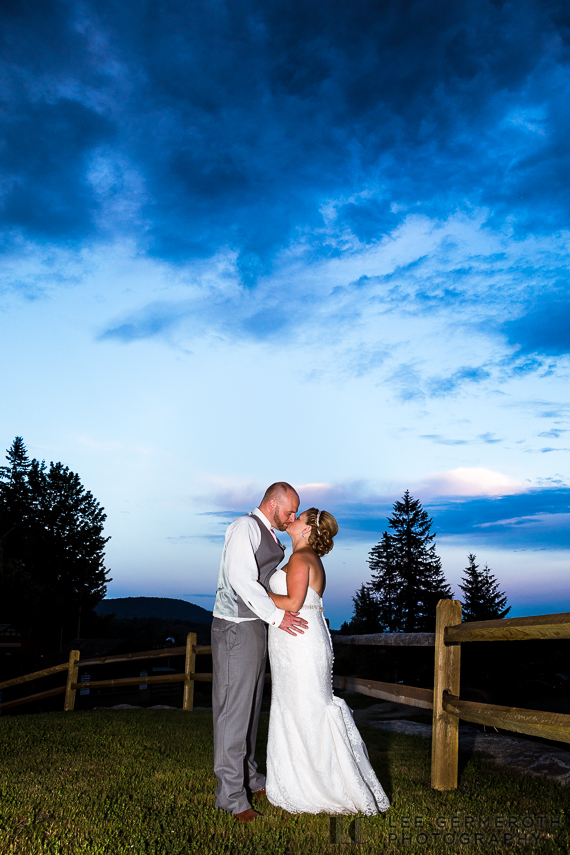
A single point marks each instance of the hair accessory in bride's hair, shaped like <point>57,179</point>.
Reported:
<point>318,518</point>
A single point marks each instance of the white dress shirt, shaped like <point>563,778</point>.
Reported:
<point>242,540</point>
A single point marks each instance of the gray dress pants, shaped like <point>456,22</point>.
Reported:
<point>239,651</point>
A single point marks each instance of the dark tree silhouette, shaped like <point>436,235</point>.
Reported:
<point>407,579</point>
<point>421,580</point>
<point>483,600</point>
<point>53,546</point>
<point>15,498</point>
<point>365,618</point>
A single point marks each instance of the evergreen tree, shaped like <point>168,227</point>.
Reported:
<point>53,546</point>
<point>15,499</point>
<point>421,580</point>
<point>483,600</point>
<point>407,579</point>
<point>365,618</point>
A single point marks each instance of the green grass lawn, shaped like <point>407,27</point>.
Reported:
<point>142,782</point>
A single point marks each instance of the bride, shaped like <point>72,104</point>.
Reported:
<point>316,759</point>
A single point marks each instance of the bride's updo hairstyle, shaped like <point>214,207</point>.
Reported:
<point>324,528</point>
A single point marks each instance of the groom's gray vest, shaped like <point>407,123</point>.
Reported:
<point>267,556</point>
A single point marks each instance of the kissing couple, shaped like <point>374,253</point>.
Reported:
<point>316,759</point>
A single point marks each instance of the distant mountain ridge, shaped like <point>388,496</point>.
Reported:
<point>167,608</point>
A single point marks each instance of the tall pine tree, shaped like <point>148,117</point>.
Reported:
<point>483,600</point>
<point>51,533</point>
<point>15,495</point>
<point>421,580</point>
<point>407,579</point>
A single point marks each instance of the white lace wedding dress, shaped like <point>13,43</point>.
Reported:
<point>316,759</point>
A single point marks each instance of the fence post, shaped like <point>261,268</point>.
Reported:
<point>189,665</point>
<point>69,702</point>
<point>445,727</point>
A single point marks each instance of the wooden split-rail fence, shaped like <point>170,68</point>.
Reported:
<point>444,699</point>
<point>188,677</point>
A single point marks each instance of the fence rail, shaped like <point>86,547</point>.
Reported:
<point>132,657</point>
<point>389,639</point>
<point>547,725</point>
<point>511,629</point>
<point>129,681</point>
<point>411,695</point>
<point>36,675</point>
<point>39,696</point>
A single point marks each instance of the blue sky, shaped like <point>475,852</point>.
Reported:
<point>325,243</point>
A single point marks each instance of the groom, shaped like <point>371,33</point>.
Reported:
<point>239,643</point>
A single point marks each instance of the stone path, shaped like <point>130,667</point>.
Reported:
<point>532,758</point>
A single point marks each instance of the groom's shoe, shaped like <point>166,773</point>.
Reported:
<point>260,792</point>
<point>247,815</point>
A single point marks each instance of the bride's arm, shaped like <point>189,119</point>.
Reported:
<point>297,584</point>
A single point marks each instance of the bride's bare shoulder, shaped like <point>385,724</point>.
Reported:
<point>300,558</point>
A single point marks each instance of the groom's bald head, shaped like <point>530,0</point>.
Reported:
<point>278,491</point>
<point>280,504</point>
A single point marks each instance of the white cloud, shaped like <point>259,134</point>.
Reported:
<point>548,521</point>
<point>475,481</point>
